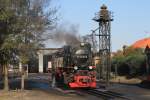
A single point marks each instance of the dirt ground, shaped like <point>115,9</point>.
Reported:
<point>131,91</point>
<point>42,95</point>
<point>129,88</point>
<point>124,80</point>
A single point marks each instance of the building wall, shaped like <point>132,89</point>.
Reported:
<point>43,57</point>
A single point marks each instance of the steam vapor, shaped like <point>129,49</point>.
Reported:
<point>66,36</point>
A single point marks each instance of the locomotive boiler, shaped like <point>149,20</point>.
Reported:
<point>73,67</point>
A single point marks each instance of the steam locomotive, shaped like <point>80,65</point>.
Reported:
<point>73,66</point>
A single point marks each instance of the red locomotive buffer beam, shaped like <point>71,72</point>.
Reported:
<point>80,81</point>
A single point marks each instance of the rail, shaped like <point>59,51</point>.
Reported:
<point>108,95</point>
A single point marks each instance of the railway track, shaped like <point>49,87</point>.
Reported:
<point>106,95</point>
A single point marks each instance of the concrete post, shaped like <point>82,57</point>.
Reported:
<point>20,66</point>
<point>40,62</point>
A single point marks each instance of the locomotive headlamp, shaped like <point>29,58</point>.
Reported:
<point>75,67</point>
<point>82,44</point>
<point>90,67</point>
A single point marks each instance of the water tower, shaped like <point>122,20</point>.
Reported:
<point>104,18</point>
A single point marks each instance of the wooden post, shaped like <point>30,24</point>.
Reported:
<point>6,85</point>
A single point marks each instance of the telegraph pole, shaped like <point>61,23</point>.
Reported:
<point>147,52</point>
<point>104,19</point>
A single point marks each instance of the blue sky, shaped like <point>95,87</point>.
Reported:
<point>131,18</point>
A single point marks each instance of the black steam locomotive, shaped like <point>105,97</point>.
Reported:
<point>73,66</point>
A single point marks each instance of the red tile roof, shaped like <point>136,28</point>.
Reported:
<point>142,43</point>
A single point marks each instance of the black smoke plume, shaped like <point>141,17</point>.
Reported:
<point>66,36</point>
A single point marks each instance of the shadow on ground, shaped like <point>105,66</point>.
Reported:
<point>29,85</point>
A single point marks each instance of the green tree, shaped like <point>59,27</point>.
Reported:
<point>129,62</point>
<point>6,17</point>
<point>24,27</point>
